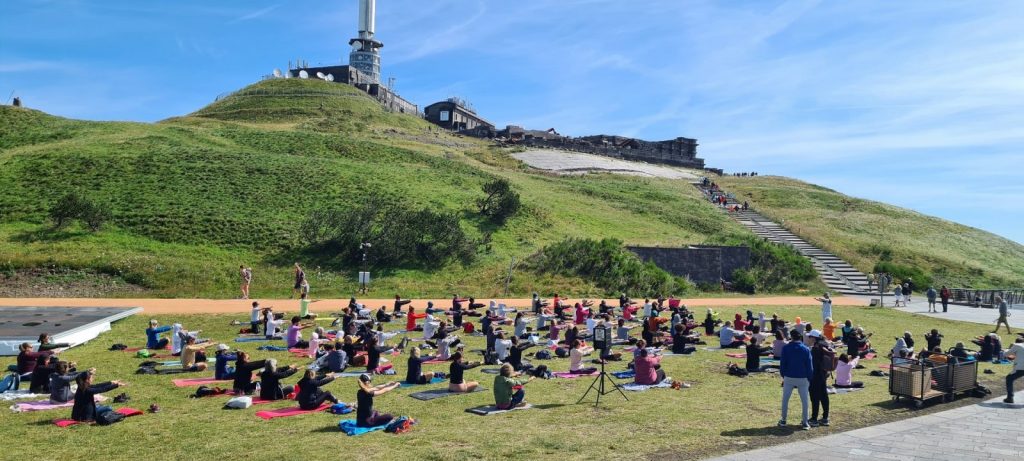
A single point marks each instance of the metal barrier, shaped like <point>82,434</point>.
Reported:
<point>985,298</point>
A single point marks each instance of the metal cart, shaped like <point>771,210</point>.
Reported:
<point>917,380</point>
<point>962,377</point>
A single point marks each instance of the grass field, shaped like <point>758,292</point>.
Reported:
<point>862,231</point>
<point>719,414</point>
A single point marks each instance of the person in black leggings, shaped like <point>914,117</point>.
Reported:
<point>366,416</point>
<point>820,355</point>
<point>310,395</point>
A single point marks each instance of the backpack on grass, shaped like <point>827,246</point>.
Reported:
<point>400,425</point>
<point>109,417</point>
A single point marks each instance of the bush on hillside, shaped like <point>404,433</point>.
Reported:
<point>773,267</point>
<point>399,236</point>
<point>901,273</point>
<point>501,202</point>
<point>608,265</point>
<point>743,281</point>
<point>76,206</point>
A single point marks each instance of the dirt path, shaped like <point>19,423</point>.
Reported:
<point>241,306</point>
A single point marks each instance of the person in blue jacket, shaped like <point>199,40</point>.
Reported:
<point>796,368</point>
<point>153,339</point>
<point>221,370</point>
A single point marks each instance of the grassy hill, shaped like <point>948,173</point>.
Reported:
<point>864,232</point>
<point>193,197</point>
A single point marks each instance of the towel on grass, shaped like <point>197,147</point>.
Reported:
<point>198,381</point>
<point>349,427</point>
<point>436,380</point>
<point>570,375</point>
<point>487,410</point>
<point>270,348</point>
<point>843,390</point>
<point>624,374</point>
<point>439,393</point>
<point>127,412</point>
<point>667,383</point>
<point>290,411</point>
<point>20,394</point>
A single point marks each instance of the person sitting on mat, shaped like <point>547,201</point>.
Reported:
<point>648,368</point>
<point>858,344</point>
<point>508,390</point>
<point>193,357</point>
<point>45,343</point>
<point>85,408</point>
<point>399,302</point>
<point>270,381</point>
<point>519,326</point>
<point>844,372</point>
<point>310,395</point>
<point>729,338</point>
<point>501,346</point>
<point>778,344</point>
<point>293,337</point>
<point>414,374</point>
<point>366,416</point>
<point>710,321</point>
<point>960,352</point>
<point>332,360</point>
<point>515,353</point>
<point>243,384</point>
<point>27,360</point>
<point>754,352</point>
<point>829,329</point>
<point>456,371</point>
<point>411,318</point>
<point>576,358</point>
<point>221,370</point>
<point>681,342</point>
<point>60,382</point>
<point>271,325</point>
<point>153,339</point>
<point>40,382</point>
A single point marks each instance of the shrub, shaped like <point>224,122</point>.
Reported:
<point>774,267</point>
<point>501,202</point>
<point>608,265</point>
<point>399,236</point>
<point>743,281</point>
<point>76,206</point>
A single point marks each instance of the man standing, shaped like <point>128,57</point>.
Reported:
<point>246,274</point>
<point>796,368</point>
<point>300,280</point>
<point>944,295</point>
<point>931,294</point>
<point>1016,352</point>
<point>1003,314</point>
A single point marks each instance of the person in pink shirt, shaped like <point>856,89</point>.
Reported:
<point>648,368</point>
<point>628,311</point>
<point>581,314</point>
<point>844,372</point>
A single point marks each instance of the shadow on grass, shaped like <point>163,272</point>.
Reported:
<point>47,234</point>
<point>327,429</point>
<point>775,431</point>
<point>548,406</point>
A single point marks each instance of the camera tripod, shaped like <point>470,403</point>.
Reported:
<point>601,388</point>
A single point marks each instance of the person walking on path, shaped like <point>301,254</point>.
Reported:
<point>944,295</point>
<point>826,307</point>
<point>1003,314</point>
<point>300,280</point>
<point>796,369</point>
<point>931,294</point>
<point>1016,352</point>
<point>246,274</point>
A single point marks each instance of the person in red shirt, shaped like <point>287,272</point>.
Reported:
<point>410,320</point>
<point>648,368</point>
<point>740,324</point>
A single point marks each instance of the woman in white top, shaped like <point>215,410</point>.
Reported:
<point>501,346</point>
<point>271,325</point>
<point>576,358</point>
<point>519,326</point>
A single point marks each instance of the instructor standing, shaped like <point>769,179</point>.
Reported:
<point>796,368</point>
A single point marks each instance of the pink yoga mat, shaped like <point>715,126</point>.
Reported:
<point>70,422</point>
<point>198,381</point>
<point>285,412</point>
<point>736,355</point>
<point>568,375</point>
<point>42,405</point>
<point>869,356</point>
<point>434,362</point>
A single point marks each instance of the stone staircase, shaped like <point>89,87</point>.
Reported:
<point>837,274</point>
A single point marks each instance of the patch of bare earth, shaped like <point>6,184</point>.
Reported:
<point>64,284</point>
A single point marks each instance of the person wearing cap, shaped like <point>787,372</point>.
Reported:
<point>366,416</point>
<point>823,359</point>
<point>153,339</point>
<point>221,370</point>
<point>796,368</point>
<point>826,307</point>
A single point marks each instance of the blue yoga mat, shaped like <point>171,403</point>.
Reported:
<point>432,381</point>
<point>349,427</point>
<point>624,374</point>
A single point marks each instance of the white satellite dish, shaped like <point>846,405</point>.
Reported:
<point>330,77</point>
<point>303,74</point>
<point>277,73</point>
<point>288,74</point>
<point>320,75</point>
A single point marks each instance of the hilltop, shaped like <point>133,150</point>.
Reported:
<point>194,196</point>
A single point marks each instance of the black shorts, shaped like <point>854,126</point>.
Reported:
<point>421,380</point>
<point>298,285</point>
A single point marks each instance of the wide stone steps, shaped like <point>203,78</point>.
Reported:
<point>838,275</point>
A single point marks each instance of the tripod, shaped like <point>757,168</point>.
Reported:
<point>600,388</point>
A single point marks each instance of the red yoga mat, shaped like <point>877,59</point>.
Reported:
<point>870,355</point>
<point>736,355</point>
<point>70,422</point>
<point>285,412</point>
<point>198,381</point>
<point>434,362</point>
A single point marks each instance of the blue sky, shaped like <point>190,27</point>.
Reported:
<point>915,103</point>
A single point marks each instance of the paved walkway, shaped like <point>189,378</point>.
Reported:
<point>966,314</point>
<point>990,430</point>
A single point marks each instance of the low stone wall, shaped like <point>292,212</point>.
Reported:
<point>649,154</point>
<point>701,264</point>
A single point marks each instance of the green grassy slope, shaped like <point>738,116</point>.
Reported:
<point>194,196</point>
<point>863,231</point>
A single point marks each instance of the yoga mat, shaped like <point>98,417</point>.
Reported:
<point>43,405</point>
<point>870,355</point>
<point>439,393</point>
<point>885,366</point>
<point>568,375</point>
<point>127,412</point>
<point>736,355</point>
<point>253,339</point>
<point>286,412</point>
<point>436,380</point>
<point>348,374</point>
<point>435,362</point>
<point>624,374</point>
<point>667,383</point>
<point>136,349</point>
<point>490,371</point>
<point>198,381</point>
<point>349,427</point>
<point>843,390</point>
<point>19,394</point>
<point>487,410</point>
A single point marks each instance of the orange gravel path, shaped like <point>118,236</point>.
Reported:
<point>241,306</point>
